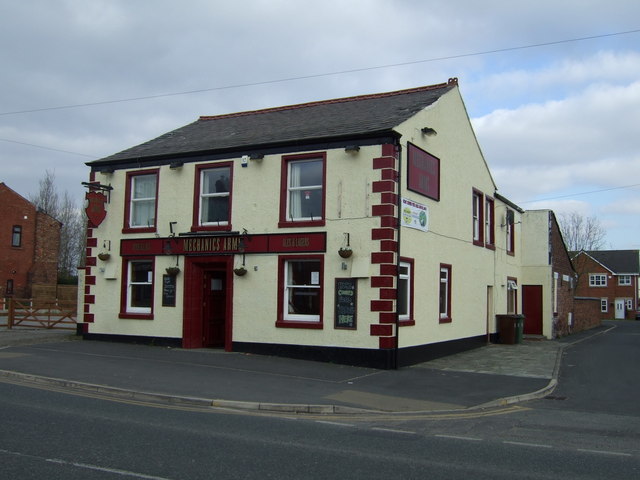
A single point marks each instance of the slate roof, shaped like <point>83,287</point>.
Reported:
<point>351,117</point>
<point>620,262</point>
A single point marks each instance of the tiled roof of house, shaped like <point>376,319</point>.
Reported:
<point>305,123</point>
<point>618,261</point>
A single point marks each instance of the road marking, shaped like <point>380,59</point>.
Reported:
<point>393,430</point>
<point>525,444</point>
<point>604,452</point>
<point>337,424</point>
<point>456,437</point>
<point>87,466</point>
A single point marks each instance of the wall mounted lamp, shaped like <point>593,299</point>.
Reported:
<point>256,156</point>
<point>352,149</point>
<point>107,171</point>
<point>429,132</point>
<point>175,165</point>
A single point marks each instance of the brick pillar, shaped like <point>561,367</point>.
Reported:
<point>386,254</point>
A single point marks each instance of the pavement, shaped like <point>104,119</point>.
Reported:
<point>490,376</point>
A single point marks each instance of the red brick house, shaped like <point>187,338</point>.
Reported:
<point>611,276</point>
<point>29,245</point>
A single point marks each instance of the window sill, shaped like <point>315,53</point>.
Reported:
<point>135,316</point>
<point>294,324</point>
<point>407,323</point>
<point>513,254</point>
<point>303,223</point>
<point>478,243</point>
<point>211,228</point>
<point>139,230</point>
<point>445,320</point>
<point>490,246</point>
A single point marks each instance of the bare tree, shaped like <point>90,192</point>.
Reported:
<point>582,233</point>
<point>65,210</point>
<point>47,198</point>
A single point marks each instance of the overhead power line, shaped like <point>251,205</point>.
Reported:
<point>581,193</point>
<point>318,75</point>
<point>46,148</point>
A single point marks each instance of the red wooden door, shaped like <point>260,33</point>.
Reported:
<point>532,309</point>
<point>214,311</point>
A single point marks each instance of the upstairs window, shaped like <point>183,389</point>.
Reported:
<point>624,280</point>
<point>303,190</point>
<point>489,219</point>
<point>213,205</point>
<point>16,236</point>
<point>478,218</point>
<point>141,206</point>
<point>511,234</point>
<point>597,280</point>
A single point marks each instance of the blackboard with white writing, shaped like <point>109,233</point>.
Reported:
<point>168,290</point>
<point>346,303</point>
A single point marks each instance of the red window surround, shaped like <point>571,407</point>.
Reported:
<point>285,220</point>
<point>477,209</point>
<point>196,227</point>
<point>124,290</point>
<point>281,321</point>
<point>127,202</point>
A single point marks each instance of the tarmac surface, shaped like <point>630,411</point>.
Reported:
<point>490,376</point>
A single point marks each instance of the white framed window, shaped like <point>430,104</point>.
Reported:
<point>597,280</point>
<point>302,190</point>
<point>215,190</point>
<point>489,218</point>
<point>305,190</point>
<point>624,280</point>
<point>478,222</point>
<point>512,295</point>
<point>445,293</point>
<point>604,305</point>
<point>302,292</point>
<point>139,291</point>
<point>404,291</point>
<point>629,304</point>
<point>142,201</point>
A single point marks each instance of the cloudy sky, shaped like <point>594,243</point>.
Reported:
<point>558,120</point>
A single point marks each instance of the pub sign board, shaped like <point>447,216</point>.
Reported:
<point>423,173</point>
<point>226,244</point>
<point>346,303</point>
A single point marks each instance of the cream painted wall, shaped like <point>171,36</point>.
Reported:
<point>449,239</point>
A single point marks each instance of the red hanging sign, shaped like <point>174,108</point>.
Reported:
<point>96,211</point>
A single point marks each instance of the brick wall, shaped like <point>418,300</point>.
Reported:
<point>36,258</point>
<point>562,266</point>
<point>586,313</point>
<point>585,266</point>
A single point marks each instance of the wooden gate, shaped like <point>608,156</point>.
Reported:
<point>41,314</point>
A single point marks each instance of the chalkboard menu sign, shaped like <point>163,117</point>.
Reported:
<point>346,303</point>
<point>168,290</point>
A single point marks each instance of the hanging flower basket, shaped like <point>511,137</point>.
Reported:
<point>345,252</point>
<point>104,256</point>
<point>173,271</point>
<point>241,271</point>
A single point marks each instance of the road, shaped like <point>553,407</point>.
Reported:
<point>51,434</point>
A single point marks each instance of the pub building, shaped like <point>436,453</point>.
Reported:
<point>363,230</point>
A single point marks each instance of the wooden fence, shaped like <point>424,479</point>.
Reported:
<point>39,314</point>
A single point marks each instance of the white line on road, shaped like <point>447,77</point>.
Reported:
<point>604,452</point>
<point>456,437</point>
<point>59,461</point>
<point>525,444</point>
<point>393,430</point>
<point>337,424</point>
